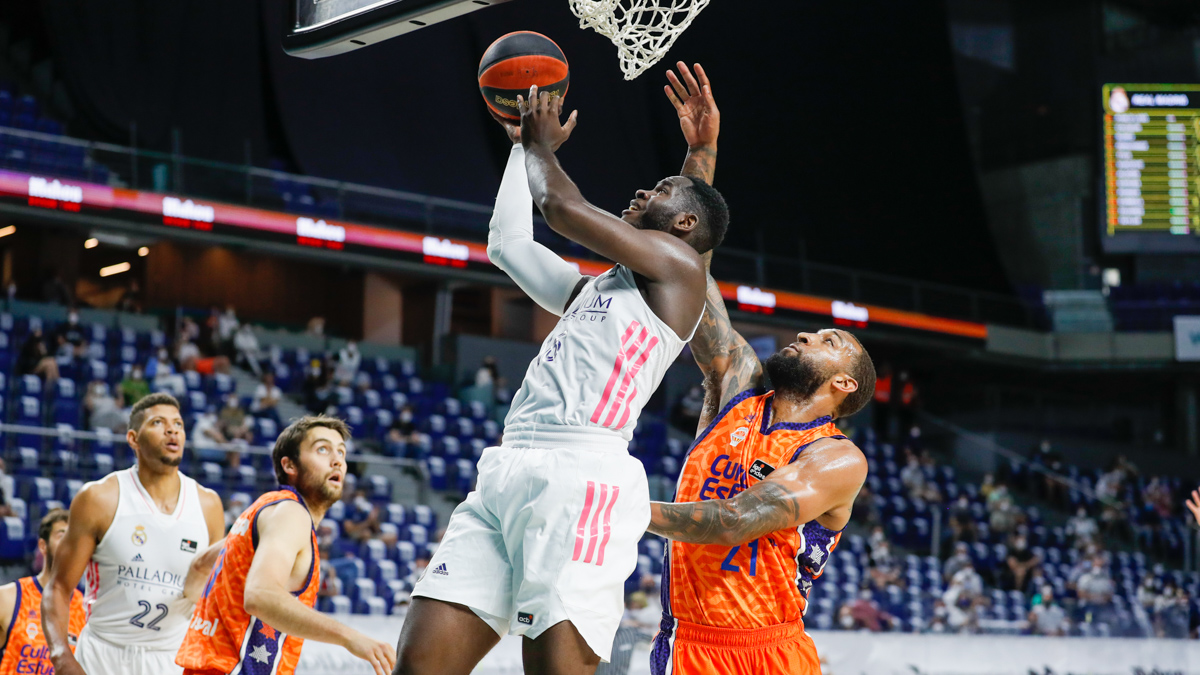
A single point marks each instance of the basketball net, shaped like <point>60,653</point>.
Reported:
<point>642,30</point>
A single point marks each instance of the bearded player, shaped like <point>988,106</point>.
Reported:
<point>544,544</point>
<point>24,649</point>
<point>764,495</point>
<point>142,535</point>
<point>257,608</point>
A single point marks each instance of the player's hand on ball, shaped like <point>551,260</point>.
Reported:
<point>380,655</point>
<point>539,120</point>
<point>693,100</point>
<point>511,127</point>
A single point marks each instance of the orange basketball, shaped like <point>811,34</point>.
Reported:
<point>514,63</point>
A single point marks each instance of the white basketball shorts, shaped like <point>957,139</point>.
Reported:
<point>101,657</point>
<point>548,535</point>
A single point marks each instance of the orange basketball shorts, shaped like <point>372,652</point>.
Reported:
<point>691,649</point>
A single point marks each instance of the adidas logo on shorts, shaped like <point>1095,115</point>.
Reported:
<point>137,558</point>
<point>441,569</point>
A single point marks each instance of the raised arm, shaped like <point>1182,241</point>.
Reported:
<point>825,480</point>
<point>285,531</point>
<point>728,362</point>
<point>699,119</point>
<point>657,256</point>
<point>545,277</point>
<point>92,512</point>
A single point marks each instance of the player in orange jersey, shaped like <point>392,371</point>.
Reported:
<point>764,494</point>
<point>257,608</point>
<point>25,649</point>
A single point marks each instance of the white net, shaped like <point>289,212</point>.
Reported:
<point>642,30</point>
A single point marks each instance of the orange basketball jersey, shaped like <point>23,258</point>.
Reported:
<point>223,637</point>
<point>25,649</point>
<point>764,582</point>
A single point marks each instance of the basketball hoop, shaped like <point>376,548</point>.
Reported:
<point>642,30</point>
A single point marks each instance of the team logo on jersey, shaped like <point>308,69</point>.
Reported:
<point>738,436</point>
<point>137,558</point>
<point>555,346</point>
<point>441,569</point>
<point>188,546</point>
<point>139,537</point>
<point>31,631</point>
<point>760,469</point>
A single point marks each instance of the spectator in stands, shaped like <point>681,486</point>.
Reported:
<point>1172,611</point>
<point>1095,589</point>
<point>267,397</point>
<point>1019,565</point>
<point>986,488</point>
<point>70,338</point>
<point>1082,528</point>
<point>134,387</point>
<point>863,613</point>
<point>331,585</point>
<point>206,437</point>
<point>318,389</point>
<point>1047,616</point>
<point>6,488</point>
<point>316,327</point>
<point>189,330</point>
<point>362,522</point>
<point>963,598</point>
<point>1157,495</point>
<point>131,299</point>
<point>488,373</point>
<point>56,292</point>
<point>348,362</point>
<point>161,371</point>
<point>35,358</point>
<point>227,325</point>
<point>866,508</point>
<point>912,475</point>
<point>1048,487</point>
<point>687,413</point>
<point>960,560</point>
<point>1005,516</point>
<point>404,427</point>
<point>233,421</point>
<point>237,504</point>
<point>249,353</point>
<point>906,401</point>
<point>102,408</point>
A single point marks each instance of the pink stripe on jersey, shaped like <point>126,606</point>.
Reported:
<point>630,372</point>
<point>617,366</point>
<point>607,525</point>
<point>624,357</point>
<point>580,528</point>
<point>595,531</point>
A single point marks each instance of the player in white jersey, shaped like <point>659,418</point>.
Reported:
<point>543,546</point>
<point>143,536</point>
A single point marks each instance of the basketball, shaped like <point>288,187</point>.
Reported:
<point>514,63</point>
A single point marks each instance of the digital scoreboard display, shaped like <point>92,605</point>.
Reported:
<point>1151,168</point>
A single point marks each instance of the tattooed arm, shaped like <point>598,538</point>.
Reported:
<point>823,482</point>
<point>728,362</point>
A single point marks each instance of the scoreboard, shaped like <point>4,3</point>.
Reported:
<point>1151,168</point>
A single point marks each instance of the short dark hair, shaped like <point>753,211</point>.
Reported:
<point>711,211</point>
<point>288,443</point>
<point>863,372</point>
<point>52,518</point>
<point>138,414</point>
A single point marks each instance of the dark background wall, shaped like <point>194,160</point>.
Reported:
<point>843,140</point>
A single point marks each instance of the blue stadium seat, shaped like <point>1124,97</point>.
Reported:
<point>12,540</point>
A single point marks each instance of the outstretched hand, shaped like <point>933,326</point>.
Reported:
<point>511,127</point>
<point>539,120</point>
<point>1193,505</point>
<point>693,100</point>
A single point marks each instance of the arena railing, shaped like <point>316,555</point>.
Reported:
<point>81,442</point>
<point>132,167</point>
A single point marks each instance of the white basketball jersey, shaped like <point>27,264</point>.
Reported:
<point>598,367</point>
<point>135,580</point>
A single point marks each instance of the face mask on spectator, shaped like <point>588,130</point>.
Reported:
<point>847,621</point>
<point>73,318</point>
<point>406,416</point>
<point>136,373</point>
